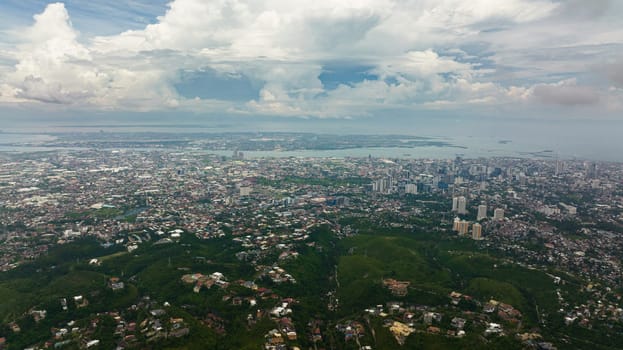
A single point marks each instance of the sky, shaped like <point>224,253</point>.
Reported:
<point>344,59</point>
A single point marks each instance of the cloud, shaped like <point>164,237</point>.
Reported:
<point>584,9</point>
<point>327,31</point>
<point>565,93</point>
<point>613,72</point>
<point>187,25</point>
<point>54,67</point>
<point>417,54</point>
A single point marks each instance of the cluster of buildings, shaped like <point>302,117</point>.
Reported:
<point>462,227</point>
<point>462,315</point>
<point>129,330</point>
<point>397,288</point>
<point>548,214</point>
<point>208,281</point>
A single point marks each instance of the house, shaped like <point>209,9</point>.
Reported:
<point>92,343</point>
<point>400,331</point>
<point>429,317</point>
<point>115,284</point>
<point>493,328</point>
<point>274,337</point>
<point>489,308</point>
<point>458,323</point>
<point>37,315</point>
<point>157,312</point>
<point>398,288</point>
<point>433,330</point>
<point>456,297</point>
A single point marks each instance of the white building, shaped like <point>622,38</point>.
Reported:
<point>498,214</point>
<point>462,205</point>
<point>482,212</point>
<point>411,188</point>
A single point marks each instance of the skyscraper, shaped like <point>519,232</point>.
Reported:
<point>591,170</point>
<point>463,227</point>
<point>482,212</point>
<point>477,231</point>
<point>455,203</point>
<point>560,166</point>
<point>382,185</point>
<point>462,205</point>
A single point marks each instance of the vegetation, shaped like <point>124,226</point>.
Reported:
<point>353,268</point>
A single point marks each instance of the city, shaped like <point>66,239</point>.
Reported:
<point>311,175</point>
<point>267,238</point>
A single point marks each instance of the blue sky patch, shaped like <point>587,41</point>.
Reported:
<point>209,84</point>
<point>334,75</point>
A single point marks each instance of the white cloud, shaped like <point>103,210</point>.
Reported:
<point>54,67</point>
<point>414,48</point>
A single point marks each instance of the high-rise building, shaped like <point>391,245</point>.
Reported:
<point>411,188</point>
<point>455,203</point>
<point>384,185</point>
<point>463,227</point>
<point>482,212</point>
<point>498,214</point>
<point>238,155</point>
<point>477,231</point>
<point>462,205</point>
<point>560,166</point>
<point>381,185</point>
<point>455,224</point>
<point>591,170</point>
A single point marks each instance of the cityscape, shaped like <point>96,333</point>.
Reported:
<point>311,175</point>
<point>173,245</point>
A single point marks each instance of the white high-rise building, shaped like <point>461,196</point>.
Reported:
<point>462,205</point>
<point>482,212</point>
<point>560,166</point>
<point>455,203</point>
<point>411,188</point>
<point>498,214</point>
<point>381,185</point>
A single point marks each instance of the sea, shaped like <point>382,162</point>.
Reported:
<point>598,140</point>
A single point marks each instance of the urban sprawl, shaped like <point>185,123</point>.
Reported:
<point>544,215</point>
